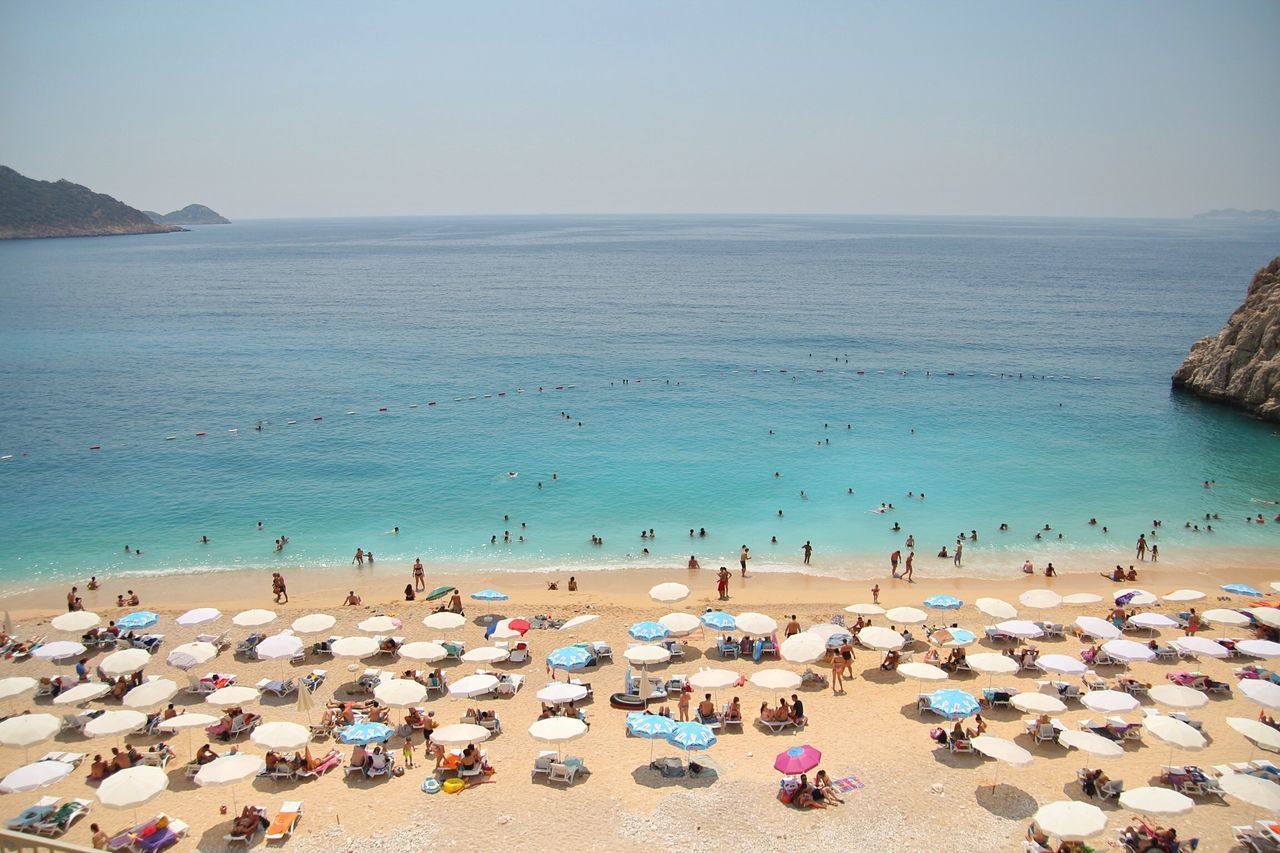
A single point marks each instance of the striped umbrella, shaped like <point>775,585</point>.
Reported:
<point>651,726</point>
<point>365,733</point>
<point>138,619</point>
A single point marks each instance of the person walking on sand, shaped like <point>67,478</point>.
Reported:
<point>742,559</point>
<point>893,563</point>
<point>683,705</point>
<point>722,584</point>
<point>808,551</point>
<point>959,550</point>
<point>837,675</point>
<point>1142,546</point>
<point>278,588</point>
<point>907,568</point>
<point>419,578</point>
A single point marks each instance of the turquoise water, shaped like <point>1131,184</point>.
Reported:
<point>122,342</point>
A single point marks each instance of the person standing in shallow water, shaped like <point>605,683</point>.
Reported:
<point>1142,546</point>
<point>808,551</point>
<point>722,584</point>
<point>742,559</point>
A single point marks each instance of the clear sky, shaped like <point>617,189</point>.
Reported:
<point>351,109</point>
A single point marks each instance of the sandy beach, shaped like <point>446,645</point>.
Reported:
<point>914,796</point>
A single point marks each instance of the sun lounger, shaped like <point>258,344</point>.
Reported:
<point>36,813</point>
<point>246,838</point>
<point>995,635</point>
<point>279,688</point>
<point>324,647</point>
<point>1093,682</point>
<point>146,837</point>
<point>712,722</point>
<point>960,745</point>
<point>775,726</point>
<point>520,654</point>
<point>219,641</point>
<point>562,773</point>
<point>248,644</point>
<point>150,642</point>
<point>77,722</point>
<point>314,679</point>
<point>542,764</point>
<point>285,820</point>
<point>728,650</point>
<point>585,684</point>
<point>60,820</point>
<point>1253,838</point>
<point>323,766</point>
<point>510,685</point>
<point>454,649</point>
<point>72,758</point>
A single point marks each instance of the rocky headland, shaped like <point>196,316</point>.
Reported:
<point>31,208</point>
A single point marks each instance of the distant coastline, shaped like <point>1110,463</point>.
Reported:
<point>1268,215</point>
<point>31,209</point>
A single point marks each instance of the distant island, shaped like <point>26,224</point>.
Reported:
<point>1236,213</point>
<point>31,208</point>
<point>192,214</point>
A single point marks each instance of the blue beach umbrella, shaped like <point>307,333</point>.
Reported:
<point>489,595</point>
<point>719,620</point>
<point>647,632</point>
<point>365,733</point>
<point>953,704</point>
<point>138,619</point>
<point>943,602</point>
<point>1240,589</point>
<point>569,658</point>
<point>689,736</point>
<point>651,726</point>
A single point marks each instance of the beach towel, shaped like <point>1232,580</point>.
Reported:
<point>845,784</point>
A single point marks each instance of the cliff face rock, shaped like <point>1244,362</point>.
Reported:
<point>30,208</point>
<point>1241,366</point>
<point>192,214</point>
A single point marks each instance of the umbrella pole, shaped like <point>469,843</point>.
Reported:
<point>996,780</point>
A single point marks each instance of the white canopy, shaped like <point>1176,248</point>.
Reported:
<point>1221,616</point>
<point>460,734</point>
<point>1002,750</point>
<point>1268,616</point>
<point>281,736</point>
<point>1174,732</point>
<point>82,693</point>
<point>189,720</point>
<point>1264,693</point>
<point>473,685</point>
<point>1081,598</point>
<point>192,654</point>
<point>112,723</point>
<point>1177,696</point>
<point>225,697</point>
<point>906,615</point>
<point>997,608</point>
<point>881,639</point>
<point>400,692</point>
<point>230,769</point>
<point>1127,650</point>
<point>131,787</point>
<point>1040,599</point>
<point>354,647</point>
<point>58,650</point>
<point>1200,647</point>
<point>579,620</point>
<point>1037,703</point>
<point>150,693</point>
<point>1108,701</point>
<point>1061,664</point>
<point>562,692</point>
<point>1095,627</point>
<point>1153,620</point>
<point>444,620</point>
<point>278,647</point>
<point>313,623</point>
<point>557,729</point>
<point>990,663</point>
<point>803,647</point>
<point>379,624</point>
<point>1091,743</point>
<point>680,624</point>
<point>714,679</point>
<point>922,671</point>
<point>79,620</point>
<point>1184,595</point>
<point>28,729</point>
<point>1252,789</point>
<point>1071,820</point>
<point>253,618</point>
<point>33,776</point>
<point>1020,628</point>
<point>198,616</point>
<point>775,679</point>
<point>485,654</point>
<point>1164,801</point>
<point>827,630</point>
<point>1258,732</point>
<point>645,655</point>
<point>16,685</point>
<point>755,624</point>
<point>1259,648</point>
<point>668,592</point>
<point>124,662</point>
<point>865,609</point>
<point>425,652</point>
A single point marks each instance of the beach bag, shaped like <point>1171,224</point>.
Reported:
<point>431,786</point>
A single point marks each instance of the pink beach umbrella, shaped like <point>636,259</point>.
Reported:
<point>797,759</point>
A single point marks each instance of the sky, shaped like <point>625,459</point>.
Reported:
<point>326,109</point>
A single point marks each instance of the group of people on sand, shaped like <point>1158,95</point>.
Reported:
<point>793,712</point>
<point>810,795</point>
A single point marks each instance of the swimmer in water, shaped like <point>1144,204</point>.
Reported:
<point>513,474</point>
<point>204,540</point>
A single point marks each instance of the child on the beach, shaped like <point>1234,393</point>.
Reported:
<point>408,750</point>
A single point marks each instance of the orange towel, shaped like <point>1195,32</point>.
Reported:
<point>283,823</point>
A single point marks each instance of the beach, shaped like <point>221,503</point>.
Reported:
<point>914,796</point>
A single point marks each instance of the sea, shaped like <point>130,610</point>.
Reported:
<point>504,390</point>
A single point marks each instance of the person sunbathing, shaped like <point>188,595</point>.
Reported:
<point>413,717</point>
<point>979,727</point>
<point>99,769</point>
<point>766,713</point>
<point>120,760</point>
<point>359,756</point>
<point>205,754</point>
<point>470,757</point>
<point>272,758</point>
<point>822,782</point>
<point>890,662</point>
<point>706,708</point>
<point>387,645</point>
<point>1093,781</point>
<point>734,711</point>
<point>247,823</point>
<point>806,797</point>
<point>120,688</point>
<point>931,656</point>
<point>378,715</point>
<point>957,732</point>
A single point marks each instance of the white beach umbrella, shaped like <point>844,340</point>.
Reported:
<point>668,592</point>
<point>189,720</point>
<point>997,608</point>
<point>1062,665</point>
<point>1164,801</point>
<point>124,662</point>
<point>803,647</point>
<point>485,654</point>
<point>28,729</point>
<point>425,652</point>
<point>444,620</point>
<point>1258,732</point>
<point>253,618</point>
<point>1275,585</point>
<point>562,692</point>
<point>1021,628</point>
<point>460,734</point>
<point>16,685</point>
<point>922,671</point>
<point>30,777</point>
<point>1002,750</point>
<point>400,692</point>
<point>278,647</point>
<point>1177,696</point>
<point>1259,648</point>
<point>1108,701</point>
<point>1037,703</point>
<point>114,723</point>
<point>473,685</point>
<point>1253,790</point>
<point>865,609</point>
<point>131,787</point>
<point>775,679</point>
<point>82,693</point>
<point>756,624</point>
<point>645,655</point>
<point>1153,621</point>
<point>230,770</point>
<point>1184,595</point>
<point>1264,693</point>
<point>1040,599</point>
<point>1268,616</point>
<point>78,621</point>
<point>148,694</point>
<point>989,663</point>
<point>1200,647</point>
<point>198,616</point>
<point>680,624</point>
<point>192,654</point>
<point>578,621</point>
<point>827,630</point>
<point>379,624</point>
<point>881,639</point>
<point>226,697</point>
<point>1071,820</point>
<point>313,623</point>
<point>1091,743</point>
<point>58,650</point>
<point>1174,732</point>
<point>1081,598</point>
<point>1139,597</point>
<point>1095,627</point>
<point>903,616</point>
<point>354,647</point>
<point>281,736</point>
<point>557,729</point>
<point>1220,616</point>
<point>714,679</point>
<point>1127,650</point>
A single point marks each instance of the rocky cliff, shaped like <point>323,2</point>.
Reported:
<point>30,208</point>
<point>192,214</point>
<point>1241,366</point>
